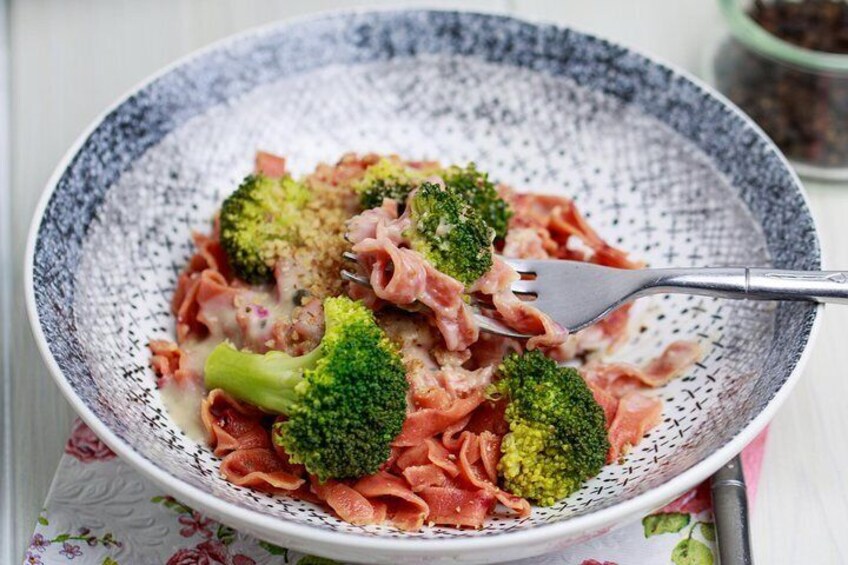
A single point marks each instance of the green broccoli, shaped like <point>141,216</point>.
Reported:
<point>475,187</point>
<point>557,435</point>
<point>449,233</point>
<point>345,400</point>
<point>386,178</point>
<point>259,212</point>
<point>392,179</point>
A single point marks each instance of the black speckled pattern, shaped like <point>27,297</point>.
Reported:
<point>660,166</point>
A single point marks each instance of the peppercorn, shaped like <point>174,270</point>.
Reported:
<point>805,112</point>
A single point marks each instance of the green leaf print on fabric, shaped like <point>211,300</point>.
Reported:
<point>225,534</point>
<point>691,552</point>
<point>109,561</point>
<point>315,560</point>
<point>668,523</point>
<point>708,531</point>
<point>42,519</point>
<point>172,503</point>
<point>275,549</point>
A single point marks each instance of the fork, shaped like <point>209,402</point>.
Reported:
<point>484,323</point>
<point>576,294</point>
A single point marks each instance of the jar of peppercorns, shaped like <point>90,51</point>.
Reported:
<point>785,63</point>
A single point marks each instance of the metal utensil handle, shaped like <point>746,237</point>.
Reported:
<point>730,509</point>
<point>751,283</point>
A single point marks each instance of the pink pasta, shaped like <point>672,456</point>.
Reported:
<point>445,464</point>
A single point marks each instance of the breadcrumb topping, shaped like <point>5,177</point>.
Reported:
<point>317,243</point>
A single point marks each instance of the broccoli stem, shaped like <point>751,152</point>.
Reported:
<point>267,381</point>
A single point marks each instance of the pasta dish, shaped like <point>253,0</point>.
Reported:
<point>385,402</point>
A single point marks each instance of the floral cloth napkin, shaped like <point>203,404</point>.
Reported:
<point>101,512</point>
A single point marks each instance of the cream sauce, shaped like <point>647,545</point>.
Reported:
<point>196,352</point>
<point>247,320</point>
<point>183,405</point>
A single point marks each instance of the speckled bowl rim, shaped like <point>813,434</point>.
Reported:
<point>606,517</point>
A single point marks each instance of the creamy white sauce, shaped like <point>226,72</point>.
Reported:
<point>258,310</point>
<point>287,292</point>
<point>183,405</point>
<point>422,354</point>
<point>197,351</point>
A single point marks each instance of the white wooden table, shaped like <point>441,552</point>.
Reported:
<point>70,59</point>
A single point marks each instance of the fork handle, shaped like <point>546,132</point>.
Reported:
<point>750,283</point>
<point>730,509</point>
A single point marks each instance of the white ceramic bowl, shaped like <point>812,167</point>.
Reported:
<point>661,165</point>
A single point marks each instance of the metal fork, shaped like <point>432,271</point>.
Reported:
<point>484,323</point>
<point>577,294</point>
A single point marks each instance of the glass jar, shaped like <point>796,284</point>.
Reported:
<point>797,95</point>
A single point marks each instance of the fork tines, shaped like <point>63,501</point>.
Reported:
<point>521,266</point>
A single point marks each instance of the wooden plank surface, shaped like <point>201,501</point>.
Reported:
<point>801,510</point>
<point>6,271</point>
<point>70,59</point>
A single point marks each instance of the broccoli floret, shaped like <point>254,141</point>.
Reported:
<point>390,178</point>
<point>557,436</point>
<point>345,400</point>
<point>386,178</point>
<point>449,233</point>
<point>259,212</point>
<point>475,188</point>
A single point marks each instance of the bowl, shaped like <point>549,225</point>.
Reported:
<point>660,164</point>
